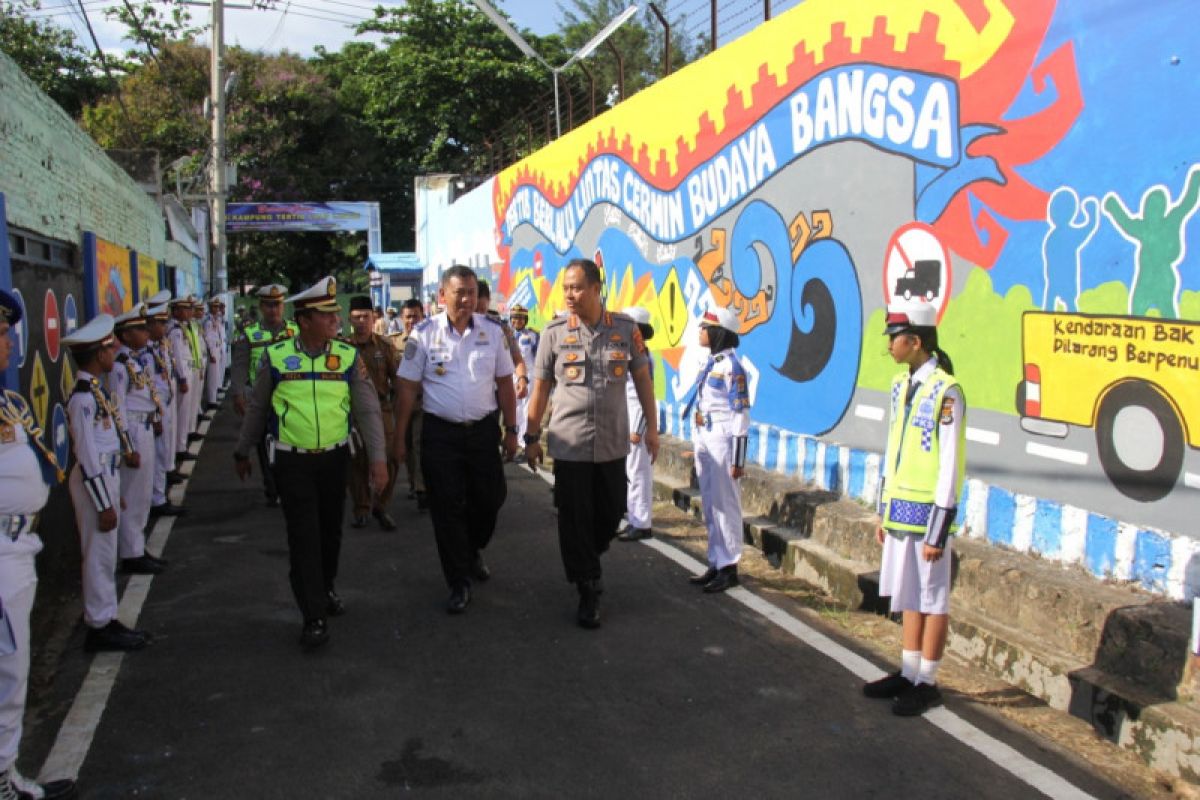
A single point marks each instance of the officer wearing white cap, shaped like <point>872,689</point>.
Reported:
<point>28,471</point>
<point>162,368</point>
<point>639,471</point>
<point>527,343</point>
<point>213,333</point>
<point>722,402</point>
<point>306,389</point>
<point>245,356</point>
<point>587,358</point>
<point>184,355</point>
<point>132,385</point>
<point>100,443</point>
<point>460,360</point>
<point>922,477</point>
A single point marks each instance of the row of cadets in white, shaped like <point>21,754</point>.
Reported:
<point>458,372</point>
<point>215,340</point>
<point>131,384</point>
<point>163,370</point>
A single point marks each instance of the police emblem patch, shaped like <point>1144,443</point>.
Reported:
<point>618,371</point>
<point>947,416</point>
<point>410,349</point>
<point>291,362</point>
<point>572,373</point>
<point>333,361</point>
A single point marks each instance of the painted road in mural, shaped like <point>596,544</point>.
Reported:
<point>1016,163</point>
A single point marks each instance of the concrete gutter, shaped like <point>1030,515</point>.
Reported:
<point>1110,654</point>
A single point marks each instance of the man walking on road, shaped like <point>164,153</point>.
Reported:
<point>381,360</point>
<point>307,387</point>
<point>460,360</point>
<point>586,358</point>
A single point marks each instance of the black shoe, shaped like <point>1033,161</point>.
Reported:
<point>359,521</point>
<point>272,501</point>
<point>185,456</point>
<point>314,634</point>
<point>195,437</point>
<point>422,502</point>
<point>887,687</point>
<point>701,580</point>
<point>412,494</point>
<point>479,569</point>
<point>113,637</point>
<point>589,604</point>
<point>167,509</point>
<point>13,785</point>
<point>335,607</point>
<point>634,534</point>
<point>174,478</point>
<point>142,565</point>
<point>726,578</point>
<point>213,406</point>
<point>460,598</point>
<point>162,562</point>
<point>916,700</point>
<point>385,520</point>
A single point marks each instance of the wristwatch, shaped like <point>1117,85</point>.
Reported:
<point>513,429</point>
<point>531,438</point>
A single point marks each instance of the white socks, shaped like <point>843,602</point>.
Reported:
<point>910,664</point>
<point>928,672</point>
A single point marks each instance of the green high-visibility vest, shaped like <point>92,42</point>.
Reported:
<point>261,338</point>
<point>311,398</point>
<point>189,332</point>
<point>913,453</point>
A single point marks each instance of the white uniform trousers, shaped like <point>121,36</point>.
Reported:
<point>213,373</point>
<point>183,406</point>
<point>720,495</point>
<point>640,474</point>
<point>137,486</point>
<point>196,392</point>
<point>522,419</point>
<point>99,550</point>
<point>18,585</point>
<point>164,454</point>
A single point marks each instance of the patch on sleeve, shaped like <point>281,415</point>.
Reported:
<point>947,416</point>
<point>410,350</point>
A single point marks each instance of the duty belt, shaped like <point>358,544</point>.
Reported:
<point>13,525</point>
<point>143,418</point>
<point>469,423</point>
<point>288,448</point>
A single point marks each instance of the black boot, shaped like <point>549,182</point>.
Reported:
<point>589,604</point>
<point>726,578</point>
<point>703,578</point>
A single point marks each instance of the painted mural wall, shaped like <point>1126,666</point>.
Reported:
<point>1029,167</point>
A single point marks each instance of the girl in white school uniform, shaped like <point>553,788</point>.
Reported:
<point>720,425</point>
<point>922,479</point>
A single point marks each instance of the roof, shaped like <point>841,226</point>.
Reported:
<point>394,262</point>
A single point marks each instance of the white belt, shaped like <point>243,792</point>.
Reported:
<point>288,448</point>
<point>13,525</point>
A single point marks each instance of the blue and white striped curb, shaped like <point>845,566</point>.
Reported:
<point>1105,547</point>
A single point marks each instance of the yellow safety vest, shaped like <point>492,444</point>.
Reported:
<point>913,454</point>
<point>311,398</point>
<point>259,338</point>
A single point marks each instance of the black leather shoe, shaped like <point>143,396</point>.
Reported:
<point>15,786</point>
<point>195,437</point>
<point>589,604</point>
<point>726,578</point>
<point>708,575</point>
<point>479,569</point>
<point>916,700</point>
<point>174,478</point>
<point>272,501</point>
<point>162,562</point>
<point>422,502</point>
<point>359,521</point>
<point>385,520</point>
<point>142,565</point>
<point>887,687</point>
<point>634,534</point>
<point>113,637</point>
<point>314,634</point>
<point>335,607</point>
<point>185,456</point>
<point>167,509</point>
<point>460,598</point>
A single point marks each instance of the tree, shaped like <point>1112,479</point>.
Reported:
<point>50,57</point>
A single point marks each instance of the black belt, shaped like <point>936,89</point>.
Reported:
<point>492,418</point>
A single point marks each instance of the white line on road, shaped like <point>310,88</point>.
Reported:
<point>982,436</point>
<point>873,413</point>
<point>1076,457</point>
<point>1191,480</point>
<point>1001,754</point>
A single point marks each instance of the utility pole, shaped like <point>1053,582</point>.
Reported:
<point>219,177</point>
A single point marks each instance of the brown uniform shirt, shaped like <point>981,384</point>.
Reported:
<point>589,368</point>
<point>382,360</point>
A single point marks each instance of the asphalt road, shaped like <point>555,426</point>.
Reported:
<point>677,695</point>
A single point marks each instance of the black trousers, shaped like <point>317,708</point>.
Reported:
<point>590,498</point>
<point>312,489</point>
<point>264,468</point>
<point>465,485</point>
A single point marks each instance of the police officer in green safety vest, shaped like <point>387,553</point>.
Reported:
<point>245,355</point>
<point>307,388</point>
<point>922,478</point>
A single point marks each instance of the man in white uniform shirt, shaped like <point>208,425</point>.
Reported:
<point>460,361</point>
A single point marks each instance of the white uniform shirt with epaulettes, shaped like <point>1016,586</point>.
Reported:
<point>722,394</point>
<point>527,343</point>
<point>162,367</point>
<point>589,368</point>
<point>132,386</point>
<point>98,436</point>
<point>181,351</point>
<point>27,468</point>
<point>214,331</point>
<point>458,372</point>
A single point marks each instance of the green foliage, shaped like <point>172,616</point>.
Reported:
<point>51,57</point>
<point>1107,298</point>
<point>1189,306</point>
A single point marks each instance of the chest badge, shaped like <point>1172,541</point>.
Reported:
<point>333,361</point>
<point>7,434</point>
<point>572,339</point>
<point>618,371</point>
<point>440,370</point>
<point>291,362</point>
<point>572,356</point>
<point>572,373</point>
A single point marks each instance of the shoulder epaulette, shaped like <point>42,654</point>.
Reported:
<point>82,387</point>
<point>622,317</point>
<point>423,324</point>
<point>494,320</point>
<point>556,322</point>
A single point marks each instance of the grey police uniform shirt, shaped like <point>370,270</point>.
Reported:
<point>589,368</point>
<point>364,405</point>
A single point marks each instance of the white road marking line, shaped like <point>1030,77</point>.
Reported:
<point>873,413</point>
<point>999,753</point>
<point>1192,480</point>
<point>1076,457</point>
<point>982,436</point>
